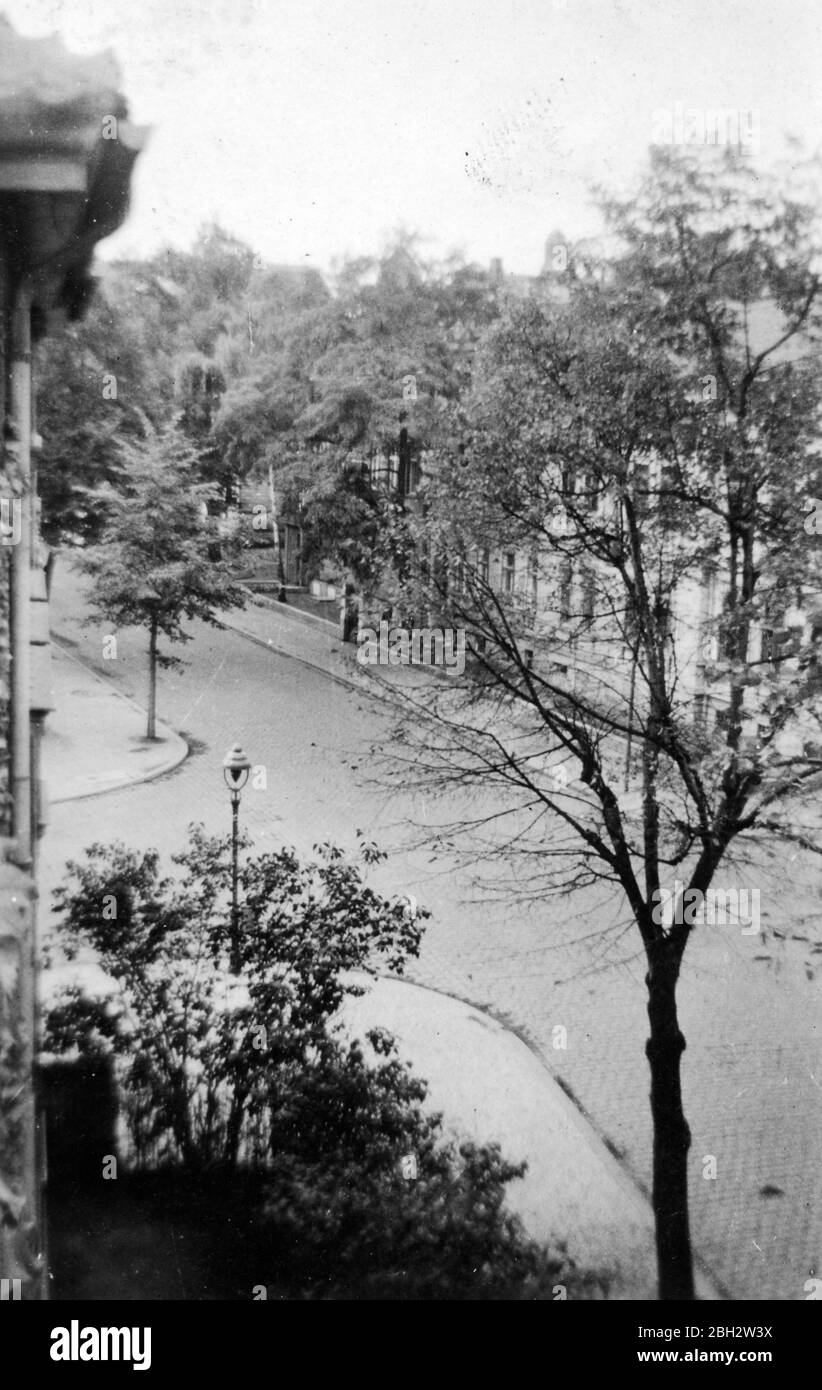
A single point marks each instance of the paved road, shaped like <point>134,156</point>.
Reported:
<point>753,1068</point>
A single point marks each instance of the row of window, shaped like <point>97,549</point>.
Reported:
<point>529,585</point>
<point>778,643</point>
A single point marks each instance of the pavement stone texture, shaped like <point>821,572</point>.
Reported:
<point>491,1086</point>
<point>750,1007</point>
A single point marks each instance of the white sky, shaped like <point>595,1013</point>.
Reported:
<point>311,128</point>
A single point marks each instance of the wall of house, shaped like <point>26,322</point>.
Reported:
<point>21,1261</point>
<point>5,563</point>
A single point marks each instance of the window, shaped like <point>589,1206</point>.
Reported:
<point>667,480</point>
<point>642,485</point>
<point>509,565</point>
<point>592,489</point>
<point>566,580</point>
<point>767,650</point>
<point>385,471</point>
<point>568,480</point>
<point>482,564</point>
<point>533,581</point>
<point>779,643</point>
<point>380,470</point>
<point>589,598</point>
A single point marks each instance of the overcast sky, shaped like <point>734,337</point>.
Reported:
<point>311,128</point>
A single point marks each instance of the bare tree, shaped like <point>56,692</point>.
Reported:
<point>634,446</point>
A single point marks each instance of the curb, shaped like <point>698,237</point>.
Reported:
<point>300,617</point>
<point>291,612</point>
<point>709,1286</point>
<point>380,691</point>
<point>120,780</point>
<point>269,646</point>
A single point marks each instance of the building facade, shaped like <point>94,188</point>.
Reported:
<point>66,155</point>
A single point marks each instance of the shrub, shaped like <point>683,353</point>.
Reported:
<point>338,1175</point>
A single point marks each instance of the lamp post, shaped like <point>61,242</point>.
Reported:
<point>236,768</point>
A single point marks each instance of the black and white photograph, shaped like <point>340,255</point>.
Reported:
<point>411,663</point>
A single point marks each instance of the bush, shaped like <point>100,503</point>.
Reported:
<point>337,1174</point>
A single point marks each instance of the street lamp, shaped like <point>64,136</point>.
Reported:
<point>236,768</point>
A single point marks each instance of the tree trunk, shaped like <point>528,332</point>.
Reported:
<point>672,1137</point>
<point>151,731</point>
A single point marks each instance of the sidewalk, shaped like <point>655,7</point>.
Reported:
<point>316,643</point>
<point>95,739</point>
<point>491,1086</point>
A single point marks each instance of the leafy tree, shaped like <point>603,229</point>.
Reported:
<point>204,1085</point>
<point>214,279</point>
<point>100,380</point>
<point>214,282</point>
<point>155,565</point>
<point>655,432</point>
<point>162,340</point>
<point>332,382</point>
<point>223,1077</point>
<point>199,387</point>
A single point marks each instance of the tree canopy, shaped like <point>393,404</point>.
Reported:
<point>158,559</point>
<point>635,444</point>
<point>263,368</point>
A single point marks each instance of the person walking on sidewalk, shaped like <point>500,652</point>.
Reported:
<point>349,614</point>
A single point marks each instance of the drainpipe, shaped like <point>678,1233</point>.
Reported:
<point>22,1264</point>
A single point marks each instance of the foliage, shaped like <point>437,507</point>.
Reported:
<point>595,452</point>
<point>647,433</point>
<point>157,562</point>
<point>262,367</point>
<point>196,1087</point>
<point>352,1232</point>
<point>152,567</point>
<point>228,1075</point>
<point>321,385</point>
<point>100,381</point>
